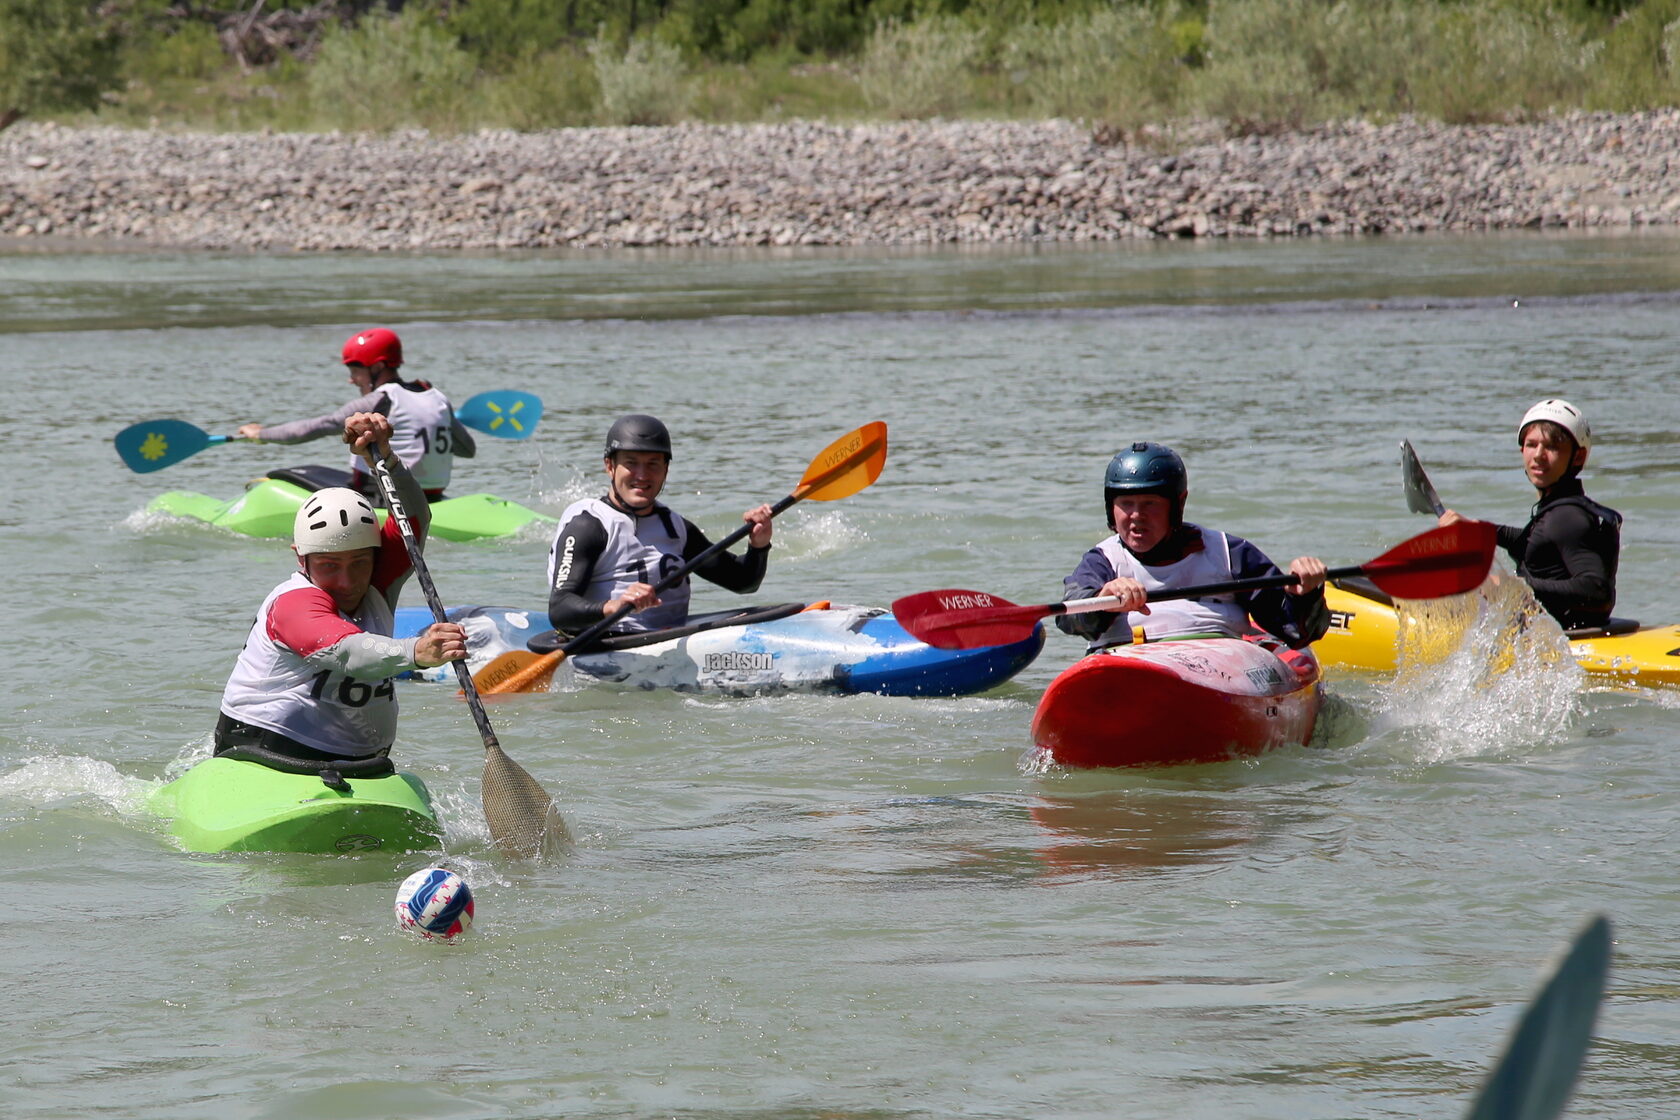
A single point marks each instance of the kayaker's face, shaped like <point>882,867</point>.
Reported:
<point>637,477</point>
<point>346,576</point>
<point>1548,454</point>
<point>364,378</point>
<point>1142,520</point>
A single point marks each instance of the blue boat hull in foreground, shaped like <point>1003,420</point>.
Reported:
<point>828,649</point>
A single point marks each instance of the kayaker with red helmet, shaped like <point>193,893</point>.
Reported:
<point>426,435</point>
<point>1154,549</point>
<point>314,681</point>
<point>1569,550</point>
<point>613,549</point>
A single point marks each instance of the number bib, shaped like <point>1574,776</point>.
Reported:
<point>273,687</point>
<point>639,550</point>
<point>422,424</point>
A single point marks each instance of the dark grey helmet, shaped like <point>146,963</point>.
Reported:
<point>638,432</point>
<point>1146,468</point>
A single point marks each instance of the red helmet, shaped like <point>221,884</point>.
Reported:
<point>377,345</point>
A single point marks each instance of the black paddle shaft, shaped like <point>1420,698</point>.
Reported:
<point>589,633</point>
<point>388,488</point>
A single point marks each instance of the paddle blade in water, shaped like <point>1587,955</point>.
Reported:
<point>504,413</point>
<point>1420,492</point>
<point>154,444</point>
<point>522,818</point>
<point>1536,1074</point>
<point>959,619</point>
<point>1448,560</point>
<point>517,670</point>
<point>845,466</point>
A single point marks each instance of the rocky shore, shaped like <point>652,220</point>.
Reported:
<point>916,183</point>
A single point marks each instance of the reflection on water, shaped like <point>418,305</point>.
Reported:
<point>1129,832</point>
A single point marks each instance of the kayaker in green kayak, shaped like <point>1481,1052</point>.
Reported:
<point>425,433</point>
<point>1568,551</point>
<point>611,550</point>
<point>314,681</point>
<point>1154,549</point>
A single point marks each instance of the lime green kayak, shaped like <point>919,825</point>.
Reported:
<point>228,805</point>
<point>269,504</point>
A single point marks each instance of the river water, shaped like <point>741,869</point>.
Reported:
<point>844,907</point>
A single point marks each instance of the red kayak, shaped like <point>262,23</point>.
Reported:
<point>1165,703</point>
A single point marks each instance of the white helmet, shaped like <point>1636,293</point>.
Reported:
<point>1564,415</point>
<point>336,519</point>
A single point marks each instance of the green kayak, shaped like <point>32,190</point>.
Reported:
<point>227,805</point>
<point>269,504</point>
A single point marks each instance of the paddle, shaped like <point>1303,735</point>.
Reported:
<point>1535,1076</point>
<point>152,445</point>
<point>1444,561</point>
<point>840,470</point>
<point>1420,493</point>
<point>522,817</point>
<point>504,413</point>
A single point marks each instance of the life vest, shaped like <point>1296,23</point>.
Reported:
<point>422,432</point>
<point>1219,614</point>
<point>642,549</point>
<point>274,688</point>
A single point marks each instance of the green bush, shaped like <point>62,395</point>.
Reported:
<point>54,55</point>
<point>1639,66</point>
<point>1488,62</point>
<point>921,69</point>
<point>646,83</point>
<point>1116,64</point>
<point>391,72</point>
<point>552,90</point>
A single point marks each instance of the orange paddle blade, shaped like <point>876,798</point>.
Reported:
<point>517,670</point>
<point>845,466</point>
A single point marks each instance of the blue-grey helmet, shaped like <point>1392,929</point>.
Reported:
<point>1146,468</point>
<point>638,432</point>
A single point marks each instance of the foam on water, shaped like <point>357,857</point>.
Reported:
<point>69,777</point>
<point>1485,673</point>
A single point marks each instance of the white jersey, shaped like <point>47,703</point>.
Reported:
<point>421,424</point>
<point>1219,614</point>
<point>639,550</point>
<point>274,688</point>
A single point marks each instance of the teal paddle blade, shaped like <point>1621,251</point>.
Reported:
<point>152,445</point>
<point>504,413</point>
<point>1534,1079</point>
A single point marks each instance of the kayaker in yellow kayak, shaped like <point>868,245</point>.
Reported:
<point>1154,549</point>
<point>425,433</point>
<point>612,549</point>
<point>314,681</point>
<point>1569,549</point>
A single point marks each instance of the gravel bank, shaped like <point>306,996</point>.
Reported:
<point>818,184</point>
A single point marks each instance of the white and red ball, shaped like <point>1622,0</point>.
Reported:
<point>436,903</point>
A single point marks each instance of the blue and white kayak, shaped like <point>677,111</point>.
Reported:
<point>784,648</point>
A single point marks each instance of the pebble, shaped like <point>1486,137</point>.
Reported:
<point>803,183</point>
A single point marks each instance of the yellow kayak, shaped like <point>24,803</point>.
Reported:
<point>1365,634</point>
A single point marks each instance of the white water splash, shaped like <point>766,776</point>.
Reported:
<point>44,780</point>
<point>1488,672</point>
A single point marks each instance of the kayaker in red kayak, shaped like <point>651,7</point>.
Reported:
<point>613,549</point>
<point>1570,547</point>
<point>425,433</point>
<point>314,681</point>
<point>1154,549</point>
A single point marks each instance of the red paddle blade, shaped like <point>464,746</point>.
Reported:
<point>1449,560</point>
<point>959,619</point>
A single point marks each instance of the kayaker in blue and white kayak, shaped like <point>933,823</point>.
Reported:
<point>314,681</point>
<point>1154,549</point>
<point>612,549</point>
<point>425,433</point>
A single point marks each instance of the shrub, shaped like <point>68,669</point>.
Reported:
<point>54,54</point>
<point>1639,65</point>
<point>1488,62</point>
<point>1117,64</point>
<point>391,72</point>
<point>646,83</point>
<point>920,69</point>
